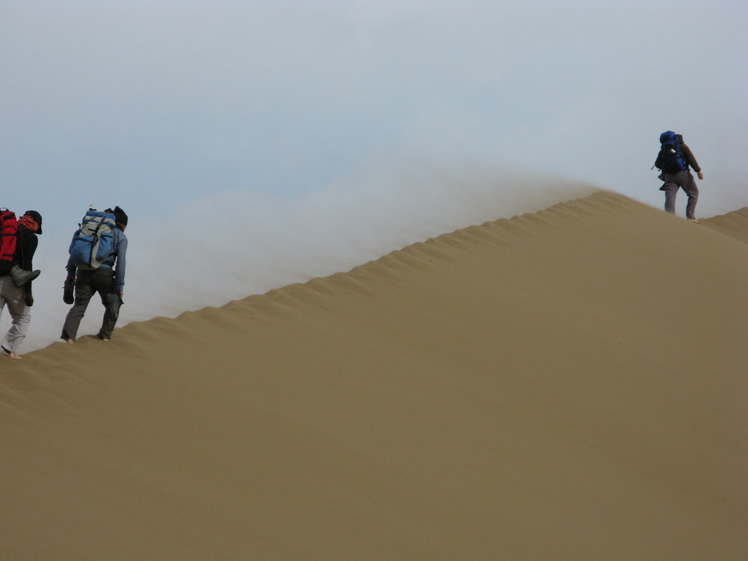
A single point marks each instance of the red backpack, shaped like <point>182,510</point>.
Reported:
<point>8,238</point>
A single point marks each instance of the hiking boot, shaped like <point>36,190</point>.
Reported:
<point>21,277</point>
<point>68,290</point>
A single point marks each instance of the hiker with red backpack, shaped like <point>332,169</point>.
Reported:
<point>96,265</point>
<point>675,160</point>
<point>17,248</point>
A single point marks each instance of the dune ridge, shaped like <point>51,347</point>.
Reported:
<point>568,384</point>
<point>733,224</point>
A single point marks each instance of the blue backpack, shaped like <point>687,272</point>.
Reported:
<point>93,243</point>
<point>670,158</point>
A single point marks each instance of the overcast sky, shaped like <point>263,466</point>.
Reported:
<point>333,132</point>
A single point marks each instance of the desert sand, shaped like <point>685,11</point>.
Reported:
<point>566,385</point>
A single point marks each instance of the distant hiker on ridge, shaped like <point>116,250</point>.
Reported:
<point>97,264</point>
<point>15,283</point>
<point>674,160</point>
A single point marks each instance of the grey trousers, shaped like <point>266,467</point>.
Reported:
<point>87,283</point>
<point>684,180</point>
<point>20,313</point>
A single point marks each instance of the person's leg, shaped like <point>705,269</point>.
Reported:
<point>5,283</point>
<point>83,294</point>
<point>671,189</point>
<point>104,284</point>
<point>689,186</point>
<point>110,316</point>
<point>21,316</point>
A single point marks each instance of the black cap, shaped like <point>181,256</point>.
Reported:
<point>119,216</point>
<point>37,218</point>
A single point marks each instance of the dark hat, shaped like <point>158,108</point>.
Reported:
<point>119,216</point>
<point>37,218</point>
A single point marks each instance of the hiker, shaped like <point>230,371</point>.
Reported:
<point>108,279</point>
<point>675,160</point>
<point>15,285</point>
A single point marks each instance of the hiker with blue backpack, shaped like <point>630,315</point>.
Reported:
<point>675,160</point>
<point>18,243</point>
<point>97,263</point>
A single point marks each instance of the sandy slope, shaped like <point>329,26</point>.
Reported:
<point>564,385</point>
<point>734,224</point>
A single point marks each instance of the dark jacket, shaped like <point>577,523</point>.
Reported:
<point>25,249</point>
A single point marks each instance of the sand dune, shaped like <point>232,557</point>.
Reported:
<point>566,385</point>
<point>734,224</point>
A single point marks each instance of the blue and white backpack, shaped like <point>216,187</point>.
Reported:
<point>93,243</point>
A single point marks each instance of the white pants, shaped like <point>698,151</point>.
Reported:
<point>20,313</point>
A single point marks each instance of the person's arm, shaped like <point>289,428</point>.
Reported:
<point>70,268</point>
<point>658,161</point>
<point>119,270</point>
<point>29,243</point>
<point>691,159</point>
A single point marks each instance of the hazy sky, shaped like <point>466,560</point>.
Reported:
<point>333,132</point>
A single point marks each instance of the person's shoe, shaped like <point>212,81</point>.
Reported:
<point>68,291</point>
<point>9,353</point>
<point>21,277</point>
<point>695,220</point>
